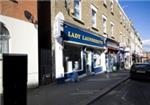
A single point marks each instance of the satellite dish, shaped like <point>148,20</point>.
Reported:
<point>28,15</point>
<point>14,1</point>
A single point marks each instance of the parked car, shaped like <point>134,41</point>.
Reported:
<point>140,70</point>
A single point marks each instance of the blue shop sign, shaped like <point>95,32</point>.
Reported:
<point>77,35</point>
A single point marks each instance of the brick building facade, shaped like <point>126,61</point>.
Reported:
<point>104,18</point>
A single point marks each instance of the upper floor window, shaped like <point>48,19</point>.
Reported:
<point>132,36</point>
<point>128,41</point>
<point>111,6</point>
<point>94,10</point>
<point>4,39</point>
<point>77,9</point>
<point>104,23</point>
<point>112,28</point>
<point>124,21</point>
<point>121,37</point>
<point>105,3</point>
<point>121,17</point>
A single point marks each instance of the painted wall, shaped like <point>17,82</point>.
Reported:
<point>59,71</point>
<point>59,68</point>
<point>23,40</point>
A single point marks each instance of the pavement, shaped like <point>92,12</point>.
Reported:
<point>83,92</point>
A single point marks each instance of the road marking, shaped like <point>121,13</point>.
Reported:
<point>84,92</point>
<point>103,79</point>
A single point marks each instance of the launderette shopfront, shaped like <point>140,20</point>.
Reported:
<point>82,51</point>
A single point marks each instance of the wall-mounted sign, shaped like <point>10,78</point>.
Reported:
<point>74,34</point>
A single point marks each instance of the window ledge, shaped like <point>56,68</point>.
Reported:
<point>94,28</point>
<point>78,20</point>
<point>105,33</point>
<point>112,37</point>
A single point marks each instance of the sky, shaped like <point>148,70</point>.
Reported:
<point>139,12</point>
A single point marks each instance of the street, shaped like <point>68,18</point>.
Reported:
<point>132,92</point>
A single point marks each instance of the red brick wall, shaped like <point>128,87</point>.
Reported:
<point>16,10</point>
<point>0,6</point>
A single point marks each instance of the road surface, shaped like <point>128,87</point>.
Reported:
<point>132,92</point>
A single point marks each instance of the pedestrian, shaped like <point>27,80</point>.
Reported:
<point>74,77</point>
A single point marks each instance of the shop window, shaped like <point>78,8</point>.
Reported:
<point>77,9</point>
<point>4,39</point>
<point>97,59</point>
<point>72,54</point>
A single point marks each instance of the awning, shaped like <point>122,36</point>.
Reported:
<point>112,48</point>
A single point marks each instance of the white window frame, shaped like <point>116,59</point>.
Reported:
<point>79,9</point>
<point>94,18</point>
<point>104,1</point>
<point>112,28</point>
<point>104,24</point>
